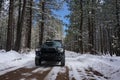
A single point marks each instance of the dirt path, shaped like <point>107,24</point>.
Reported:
<point>38,73</point>
<point>52,73</point>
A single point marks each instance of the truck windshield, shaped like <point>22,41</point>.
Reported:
<point>52,44</point>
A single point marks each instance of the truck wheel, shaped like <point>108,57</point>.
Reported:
<point>63,61</point>
<point>37,61</point>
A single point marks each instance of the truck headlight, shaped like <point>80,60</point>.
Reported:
<point>60,49</point>
<point>37,49</point>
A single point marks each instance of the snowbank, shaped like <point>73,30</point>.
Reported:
<point>105,65</point>
<point>12,60</point>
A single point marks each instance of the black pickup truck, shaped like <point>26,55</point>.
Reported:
<point>50,51</point>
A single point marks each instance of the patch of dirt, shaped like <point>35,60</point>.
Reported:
<point>63,76</point>
<point>38,76</point>
<point>24,73</point>
<point>73,78</point>
<point>90,71</point>
<point>88,79</point>
<point>28,74</point>
<point>14,75</point>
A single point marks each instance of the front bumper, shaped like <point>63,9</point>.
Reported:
<point>52,56</point>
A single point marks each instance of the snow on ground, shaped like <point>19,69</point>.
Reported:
<point>12,60</point>
<point>81,66</point>
<point>107,66</point>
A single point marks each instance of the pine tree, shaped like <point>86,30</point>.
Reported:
<point>21,16</point>
<point>76,24</point>
<point>10,26</point>
<point>118,25</point>
<point>28,24</point>
<point>42,22</point>
<point>91,24</point>
<point>46,7</point>
<point>81,25</point>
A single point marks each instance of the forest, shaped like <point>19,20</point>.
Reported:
<point>59,39</point>
<point>94,25</point>
<point>25,24</point>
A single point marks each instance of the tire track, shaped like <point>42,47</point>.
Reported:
<point>63,74</point>
<point>52,74</point>
<point>26,74</point>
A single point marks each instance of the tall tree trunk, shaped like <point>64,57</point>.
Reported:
<point>90,34</point>
<point>28,24</point>
<point>91,27</point>
<point>101,38</point>
<point>118,26</point>
<point>1,2</point>
<point>21,16</point>
<point>81,25</point>
<point>10,26</point>
<point>42,22</point>
<point>104,41</point>
<point>30,27</point>
<point>110,41</point>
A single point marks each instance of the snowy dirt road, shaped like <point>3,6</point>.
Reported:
<point>77,67</point>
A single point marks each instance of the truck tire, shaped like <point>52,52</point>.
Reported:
<point>63,61</point>
<point>37,61</point>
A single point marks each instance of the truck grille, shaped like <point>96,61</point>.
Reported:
<point>48,50</point>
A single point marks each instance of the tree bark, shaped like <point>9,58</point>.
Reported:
<point>81,25</point>
<point>118,26</point>
<point>101,38</point>
<point>10,26</point>
<point>91,27</point>
<point>28,24</point>
<point>1,2</point>
<point>21,16</point>
<point>30,27</point>
<point>42,23</point>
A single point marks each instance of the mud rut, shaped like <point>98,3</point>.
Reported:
<point>29,74</point>
<point>46,73</point>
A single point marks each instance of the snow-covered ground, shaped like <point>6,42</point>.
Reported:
<point>78,66</point>
<point>12,60</point>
